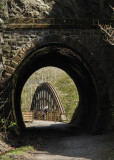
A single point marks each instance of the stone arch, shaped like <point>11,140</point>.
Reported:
<point>69,48</point>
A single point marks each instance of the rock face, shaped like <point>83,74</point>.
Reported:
<point>58,8</point>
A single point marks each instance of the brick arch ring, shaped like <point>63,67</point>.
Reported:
<point>71,56</point>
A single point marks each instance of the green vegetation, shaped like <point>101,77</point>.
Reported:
<point>1,5</point>
<point>6,124</point>
<point>18,152</point>
<point>68,93</point>
<point>61,81</point>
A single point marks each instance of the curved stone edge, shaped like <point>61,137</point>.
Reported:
<point>55,39</point>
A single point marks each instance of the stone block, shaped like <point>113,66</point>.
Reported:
<point>63,117</point>
<point>17,59</point>
<point>7,62</point>
<point>21,53</point>
<point>7,75</point>
<point>6,48</point>
<point>10,69</point>
<point>25,49</point>
<point>3,81</point>
<point>1,68</point>
<point>6,35</point>
<point>14,64</point>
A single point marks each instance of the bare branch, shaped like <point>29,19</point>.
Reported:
<point>109,33</point>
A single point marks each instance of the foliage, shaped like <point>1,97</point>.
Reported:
<point>68,93</point>
<point>6,124</point>
<point>18,152</point>
<point>1,5</point>
<point>19,146</point>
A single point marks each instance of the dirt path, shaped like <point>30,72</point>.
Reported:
<point>65,143</point>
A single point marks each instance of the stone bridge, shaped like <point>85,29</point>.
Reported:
<point>77,47</point>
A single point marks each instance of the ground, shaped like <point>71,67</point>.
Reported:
<point>59,141</point>
<point>68,143</point>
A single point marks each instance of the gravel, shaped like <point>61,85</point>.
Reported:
<point>62,142</point>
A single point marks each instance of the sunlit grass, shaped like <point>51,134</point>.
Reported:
<point>21,151</point>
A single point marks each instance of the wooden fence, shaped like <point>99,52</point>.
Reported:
<point>28,116</point>
<point>51,116</point>
<point>56,116</point>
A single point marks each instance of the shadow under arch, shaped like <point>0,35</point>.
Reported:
<point>69,55</point>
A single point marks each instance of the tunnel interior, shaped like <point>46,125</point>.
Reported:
<point>74,65</point>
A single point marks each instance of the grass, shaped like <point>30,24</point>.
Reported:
<point>20,150</point>
<point>17,152</point>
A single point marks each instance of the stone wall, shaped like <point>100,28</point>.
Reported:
<point>92,39</point>
<point>17,40</point>
<point>45,20</point>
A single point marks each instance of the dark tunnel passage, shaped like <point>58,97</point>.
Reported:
<point>75,66</point>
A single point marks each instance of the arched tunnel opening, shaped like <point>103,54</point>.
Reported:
<point>51,87</point>
<point>75,66</point>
